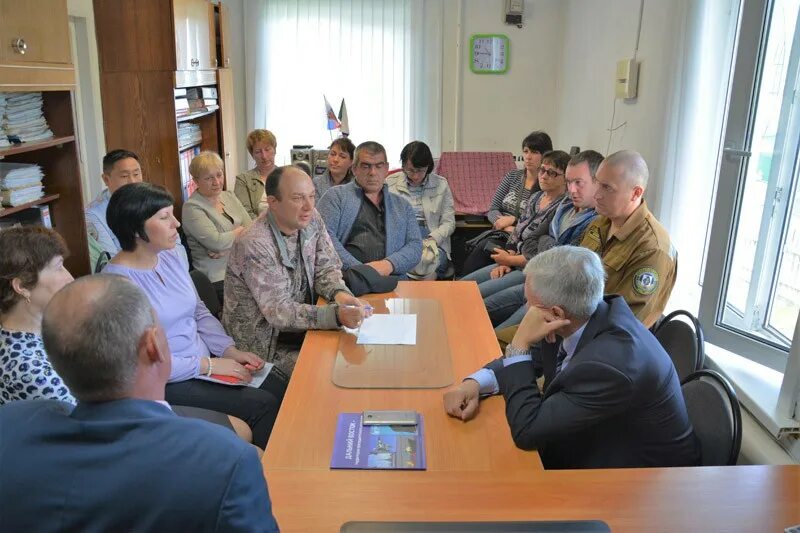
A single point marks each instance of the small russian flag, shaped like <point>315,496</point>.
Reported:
<point>333,122</point>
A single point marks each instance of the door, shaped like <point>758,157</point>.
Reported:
<point>34,32</point>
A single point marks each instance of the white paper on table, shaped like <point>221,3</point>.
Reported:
<point>388,329</point>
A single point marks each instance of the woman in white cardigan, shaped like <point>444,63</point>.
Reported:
<point>212,218</point>
<point>429,194</point>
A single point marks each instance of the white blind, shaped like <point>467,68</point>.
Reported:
<point>373,53</point>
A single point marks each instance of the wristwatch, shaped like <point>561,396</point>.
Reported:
<point>512,351</point>
<point>336,314</point>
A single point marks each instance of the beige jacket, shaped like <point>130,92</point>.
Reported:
<point>207,230</point>
<point>249,190</point>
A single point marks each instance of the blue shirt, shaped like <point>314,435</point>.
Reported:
<point>488,382</point>
<point>97,226</point>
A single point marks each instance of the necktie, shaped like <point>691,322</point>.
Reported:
<point>562,354</point>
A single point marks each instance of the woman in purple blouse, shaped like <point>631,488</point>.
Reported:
<point>140,215</point>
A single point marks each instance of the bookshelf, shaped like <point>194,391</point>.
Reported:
<point>178,46</point>
<point>46,66</point>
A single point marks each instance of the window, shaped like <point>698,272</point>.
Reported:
<point>751,290</point>
<point>376,55</point>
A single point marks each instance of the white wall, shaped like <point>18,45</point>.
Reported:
<point>236,43</point>
<point>596,35</point>
<point>495,112</point>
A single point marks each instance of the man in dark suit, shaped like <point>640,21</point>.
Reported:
<point>121,460</point>
<point>611,394</point>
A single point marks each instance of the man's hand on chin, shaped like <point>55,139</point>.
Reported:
<point>462,401</point>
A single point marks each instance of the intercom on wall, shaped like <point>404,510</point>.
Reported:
<point>514,9</point>
<point>627,78</point>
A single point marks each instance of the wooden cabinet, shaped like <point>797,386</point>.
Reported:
<point>138,95</point>
<point>35,45</point>
<point>34,32</point>
<point>46,66</point>
<point>195,47</point>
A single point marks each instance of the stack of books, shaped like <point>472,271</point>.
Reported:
<point>4,143</point>
<point>195,100</point>
<point>202,99</point>
<point>189,134</point>
<point>188,185</point>
<point>24,120</point>
<point>20,183</point>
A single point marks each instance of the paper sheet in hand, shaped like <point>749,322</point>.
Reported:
<point>388,329</point>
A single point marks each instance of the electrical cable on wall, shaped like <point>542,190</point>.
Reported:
<point>611,128</point>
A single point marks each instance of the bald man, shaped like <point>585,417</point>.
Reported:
<point>277,269</point>
<point>640,262</point>
<point>121,460</point>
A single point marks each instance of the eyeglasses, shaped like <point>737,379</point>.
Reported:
<point>366,167</point>
<point>550,172</point>
<point>415,171</point>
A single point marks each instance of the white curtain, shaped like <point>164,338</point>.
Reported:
<point>382,57</point>
<point>683,200</point>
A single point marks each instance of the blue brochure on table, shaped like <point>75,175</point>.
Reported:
<point>380,447</point>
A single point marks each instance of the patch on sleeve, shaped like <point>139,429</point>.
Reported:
<point>645,281</point>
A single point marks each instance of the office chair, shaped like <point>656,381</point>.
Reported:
<point>715,415</point>
<point>185,243</point>
<point>683,340</point>
<point>206,291</point>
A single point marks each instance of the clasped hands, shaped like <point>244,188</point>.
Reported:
<point>539,323</point>
<point>237,363</point>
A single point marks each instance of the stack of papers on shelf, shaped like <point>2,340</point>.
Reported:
<point>24,119</point>
<point>189,134</point>
<point>202,99</point>
<point>3,135</point>
<point>20,183</point>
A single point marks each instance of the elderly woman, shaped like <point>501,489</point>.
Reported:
<point>510,201</point>
<point>249,188</point>
<point>430,196</point>
<point>340,163</point>
<point>212,218</point>
<point>31,272</point>
<point>140,215</point>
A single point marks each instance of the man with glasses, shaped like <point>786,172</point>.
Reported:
<point>611,395</point>
<point>369,225</point>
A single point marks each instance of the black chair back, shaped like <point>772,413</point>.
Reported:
<point>715,415</point>
<point>207,292</point>
<point>185,243</point>
<point>681,336</point>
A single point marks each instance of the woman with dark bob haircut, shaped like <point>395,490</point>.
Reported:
<point>140,215</point>
<point>430,196</point>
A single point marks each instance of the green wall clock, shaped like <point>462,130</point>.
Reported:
<point>488,53</point>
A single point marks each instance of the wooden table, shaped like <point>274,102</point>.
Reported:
<point>474,470</point>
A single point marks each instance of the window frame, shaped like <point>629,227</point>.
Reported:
<point>733,160</point>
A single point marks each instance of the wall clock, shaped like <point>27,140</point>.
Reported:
<point>488,53</point>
